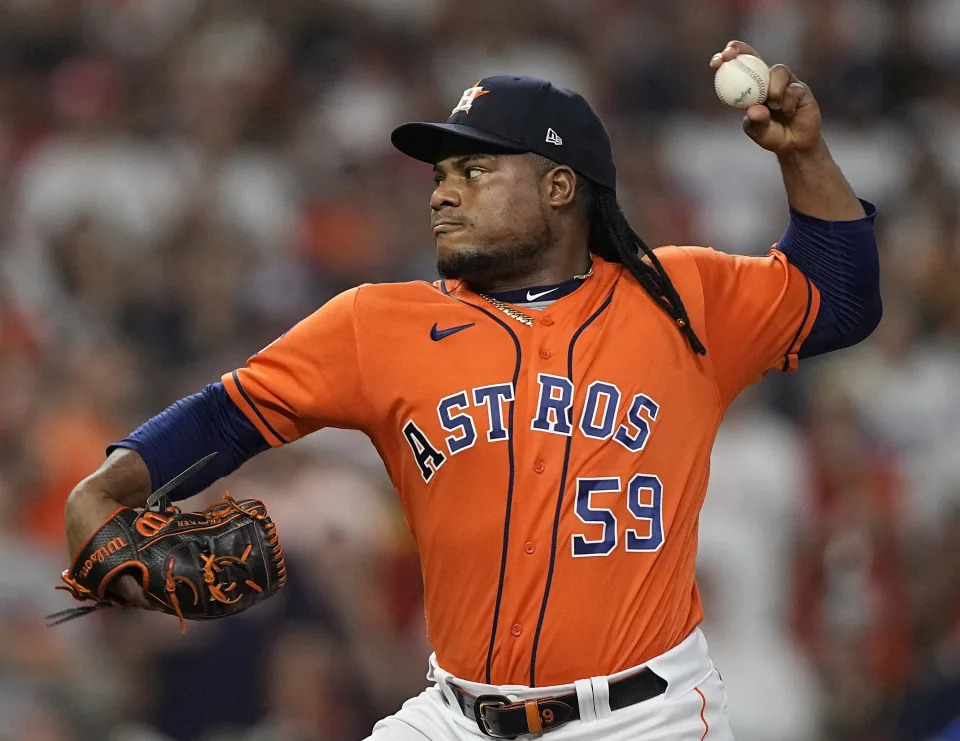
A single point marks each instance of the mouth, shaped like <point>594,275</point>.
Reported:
<point>444,227</point>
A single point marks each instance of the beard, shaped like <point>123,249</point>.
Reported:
<point>480,264</point>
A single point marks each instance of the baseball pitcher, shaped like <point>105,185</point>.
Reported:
<point>545,410</point>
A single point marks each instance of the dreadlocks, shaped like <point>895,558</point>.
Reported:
<point>613,239</point>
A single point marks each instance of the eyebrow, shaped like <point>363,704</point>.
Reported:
<point>459,162</point>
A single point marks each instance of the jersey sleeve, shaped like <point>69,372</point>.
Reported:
<point>306,379</point>
<point>757,313</point>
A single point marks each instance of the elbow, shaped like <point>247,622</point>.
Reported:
<point>876,315</point>
<point>93,486</point>
<point>867,321</point>
<point>91,492</point>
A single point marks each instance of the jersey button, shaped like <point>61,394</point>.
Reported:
<point>529,547</point>
<point>516,630</point>
<point>546,321</point>
<point>545,354</point>
<point>538,467</point>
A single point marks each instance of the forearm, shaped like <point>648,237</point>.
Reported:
<point>122,481</point>
<point>816,186</point>
<point>123,478</point>
<point>156,452</point>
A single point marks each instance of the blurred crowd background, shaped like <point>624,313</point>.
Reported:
<point>182,181</point>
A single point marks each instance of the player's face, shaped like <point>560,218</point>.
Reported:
<point>488,214</point>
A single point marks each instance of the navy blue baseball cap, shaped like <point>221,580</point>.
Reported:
<point>520,114</point>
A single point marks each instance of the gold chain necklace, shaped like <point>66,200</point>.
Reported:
<point>516,313</point>
<point>508,310</point>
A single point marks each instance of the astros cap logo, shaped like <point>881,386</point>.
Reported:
<point>469,95</point>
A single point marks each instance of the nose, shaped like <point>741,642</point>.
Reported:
<point>444,195</point>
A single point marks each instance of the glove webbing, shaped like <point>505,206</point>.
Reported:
<point>74,612</point>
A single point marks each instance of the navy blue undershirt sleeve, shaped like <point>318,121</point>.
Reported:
<point>188,430</point>
<point>840,259</point>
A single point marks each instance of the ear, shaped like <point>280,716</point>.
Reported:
<point>561,186</point>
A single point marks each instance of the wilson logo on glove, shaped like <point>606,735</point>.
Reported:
<point>151,523</point>
<point>195,565</point>
<point>100,555</point>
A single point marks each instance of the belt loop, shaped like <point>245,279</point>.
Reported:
<point>533,717</point>
<point>443,683</point>
<point>600,687</point>
<point>585,700</point>
<point>448,695</point>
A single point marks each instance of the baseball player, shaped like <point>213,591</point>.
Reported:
<point>546,410</point>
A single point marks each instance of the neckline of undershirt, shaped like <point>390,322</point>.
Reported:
<point>538,297</point>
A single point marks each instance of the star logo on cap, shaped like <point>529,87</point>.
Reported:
<point>469,95</point>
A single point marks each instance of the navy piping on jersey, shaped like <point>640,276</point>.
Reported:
<point>803,322</point>
<point>506,518</point>
<point>243,393</point>
<point>563,482</point>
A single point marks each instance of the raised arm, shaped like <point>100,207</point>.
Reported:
<point>830,237</point>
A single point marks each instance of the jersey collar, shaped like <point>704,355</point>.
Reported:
<point>539,294</point>
<point>578,297</point>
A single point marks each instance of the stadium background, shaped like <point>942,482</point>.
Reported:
<point>183,180</point>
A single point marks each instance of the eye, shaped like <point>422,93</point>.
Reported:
<point>437,180</point>
<point>471,170</point>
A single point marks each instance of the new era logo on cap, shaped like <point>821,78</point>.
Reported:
<point>553,138</point>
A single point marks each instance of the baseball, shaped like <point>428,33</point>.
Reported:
<point>742,82</point>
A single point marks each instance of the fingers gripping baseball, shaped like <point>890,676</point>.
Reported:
<point>789,117</point>
<point>785,91</point>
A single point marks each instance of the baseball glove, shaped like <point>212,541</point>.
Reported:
<point>195,565</point>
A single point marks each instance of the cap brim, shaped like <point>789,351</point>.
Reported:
<point>422,140</point>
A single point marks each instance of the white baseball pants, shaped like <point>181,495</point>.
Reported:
<point>693,707</point>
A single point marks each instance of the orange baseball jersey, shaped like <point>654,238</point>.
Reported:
<point>552,475</point>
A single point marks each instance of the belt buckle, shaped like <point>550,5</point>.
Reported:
<point>489,701</point>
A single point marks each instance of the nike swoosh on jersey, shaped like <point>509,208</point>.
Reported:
<point>535,296</point>
<point>439,334</point>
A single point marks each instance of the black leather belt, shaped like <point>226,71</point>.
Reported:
<point>499,717</point>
